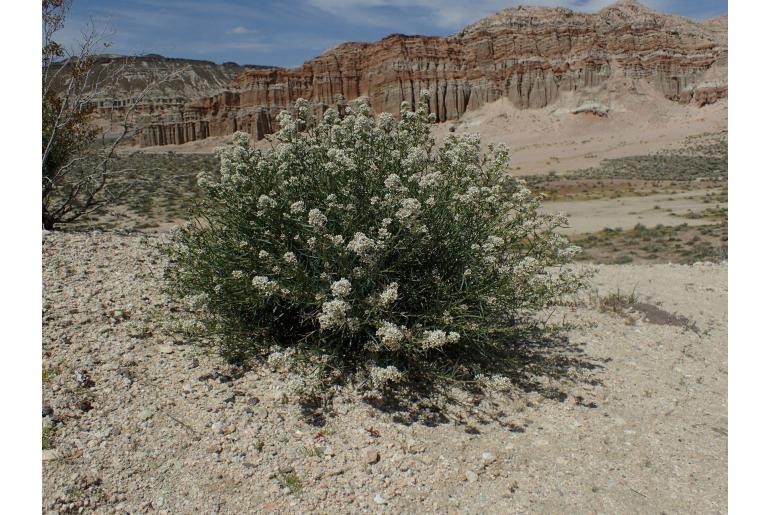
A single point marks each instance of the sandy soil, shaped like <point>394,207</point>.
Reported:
<point>553,138</point>
<point>204,146</point>
<point>626,212</point>
<point>145,422</point>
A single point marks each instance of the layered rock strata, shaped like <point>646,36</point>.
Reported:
<point>531,55</point>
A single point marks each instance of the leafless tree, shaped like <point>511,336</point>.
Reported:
<point>77,172</point>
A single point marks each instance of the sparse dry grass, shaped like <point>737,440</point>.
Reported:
<point>681,244</point>
<point>163,192</point>
<point>701,163</point>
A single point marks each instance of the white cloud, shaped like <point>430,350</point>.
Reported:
<point>203,47</point>
<point>446,14</point>
<point>240,29</point>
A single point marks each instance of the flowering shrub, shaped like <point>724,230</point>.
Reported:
<point>356,248</point>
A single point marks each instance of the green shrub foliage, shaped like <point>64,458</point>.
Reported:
<point>356,248</point>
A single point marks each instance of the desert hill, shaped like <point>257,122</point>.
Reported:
<point>533,57</point>
<point>116,79</point>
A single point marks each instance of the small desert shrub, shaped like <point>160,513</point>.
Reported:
<point>356,249</point>
<point>616,302</point>
<point>47,438</point>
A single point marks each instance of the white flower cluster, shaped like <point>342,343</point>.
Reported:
<point>290,258</point>
<point>361,245</point>
<point>389,295</point>
<point>493,243</point>
<point>316,218</point>
<point>264,286</point>
<point>494,383</point>
<point>191,326</point>
<point>410,208</point>
<point>337,240</point>
<point>438,338</point>
<point>341,288</point>
<point>339,160</point>
<point>390,335</point>
<point>333,313</point>
<point>206,181</point>
<point>393,182</point>
<point>415,158</point>
<point>384,375</point>
<point>280,358</point>
<point>196,301</point>
<point>266,202</point>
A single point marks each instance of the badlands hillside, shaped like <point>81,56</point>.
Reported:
<point>531,56</point>
<point>165,83</point>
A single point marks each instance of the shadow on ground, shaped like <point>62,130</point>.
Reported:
<point>537,361</point>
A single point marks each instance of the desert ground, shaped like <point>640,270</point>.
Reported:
<point>142,420</point>
<point>138,418</point>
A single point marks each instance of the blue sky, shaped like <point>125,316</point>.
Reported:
<point>289,32</point>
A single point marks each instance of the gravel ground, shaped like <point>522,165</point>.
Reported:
<point>626,212</point>
<point>139,420</point>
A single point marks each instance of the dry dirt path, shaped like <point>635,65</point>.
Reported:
<point>625,212</point>
<point>148,423</point>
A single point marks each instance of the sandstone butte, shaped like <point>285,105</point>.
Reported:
<point>528,54</point>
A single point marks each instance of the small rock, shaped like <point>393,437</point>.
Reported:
<point>223,378</point>
<point>286,469</point>
<point>230,399</point>
<point>415,447</point>
<point>51,454</point>
<point>487,458</point>
<point>333,472</point>
<point>85,405</point>
<point>166,349</point>
<point>84,379</point>
<point>471,476</point>
<point>371,456</point>
<point>379,499</point>
<point>145,414</point>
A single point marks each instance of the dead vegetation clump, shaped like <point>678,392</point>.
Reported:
<point>630,307</point>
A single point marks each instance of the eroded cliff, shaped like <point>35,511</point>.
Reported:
<point>530,55</point>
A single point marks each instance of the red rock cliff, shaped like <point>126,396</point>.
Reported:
<point>528,54</point>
